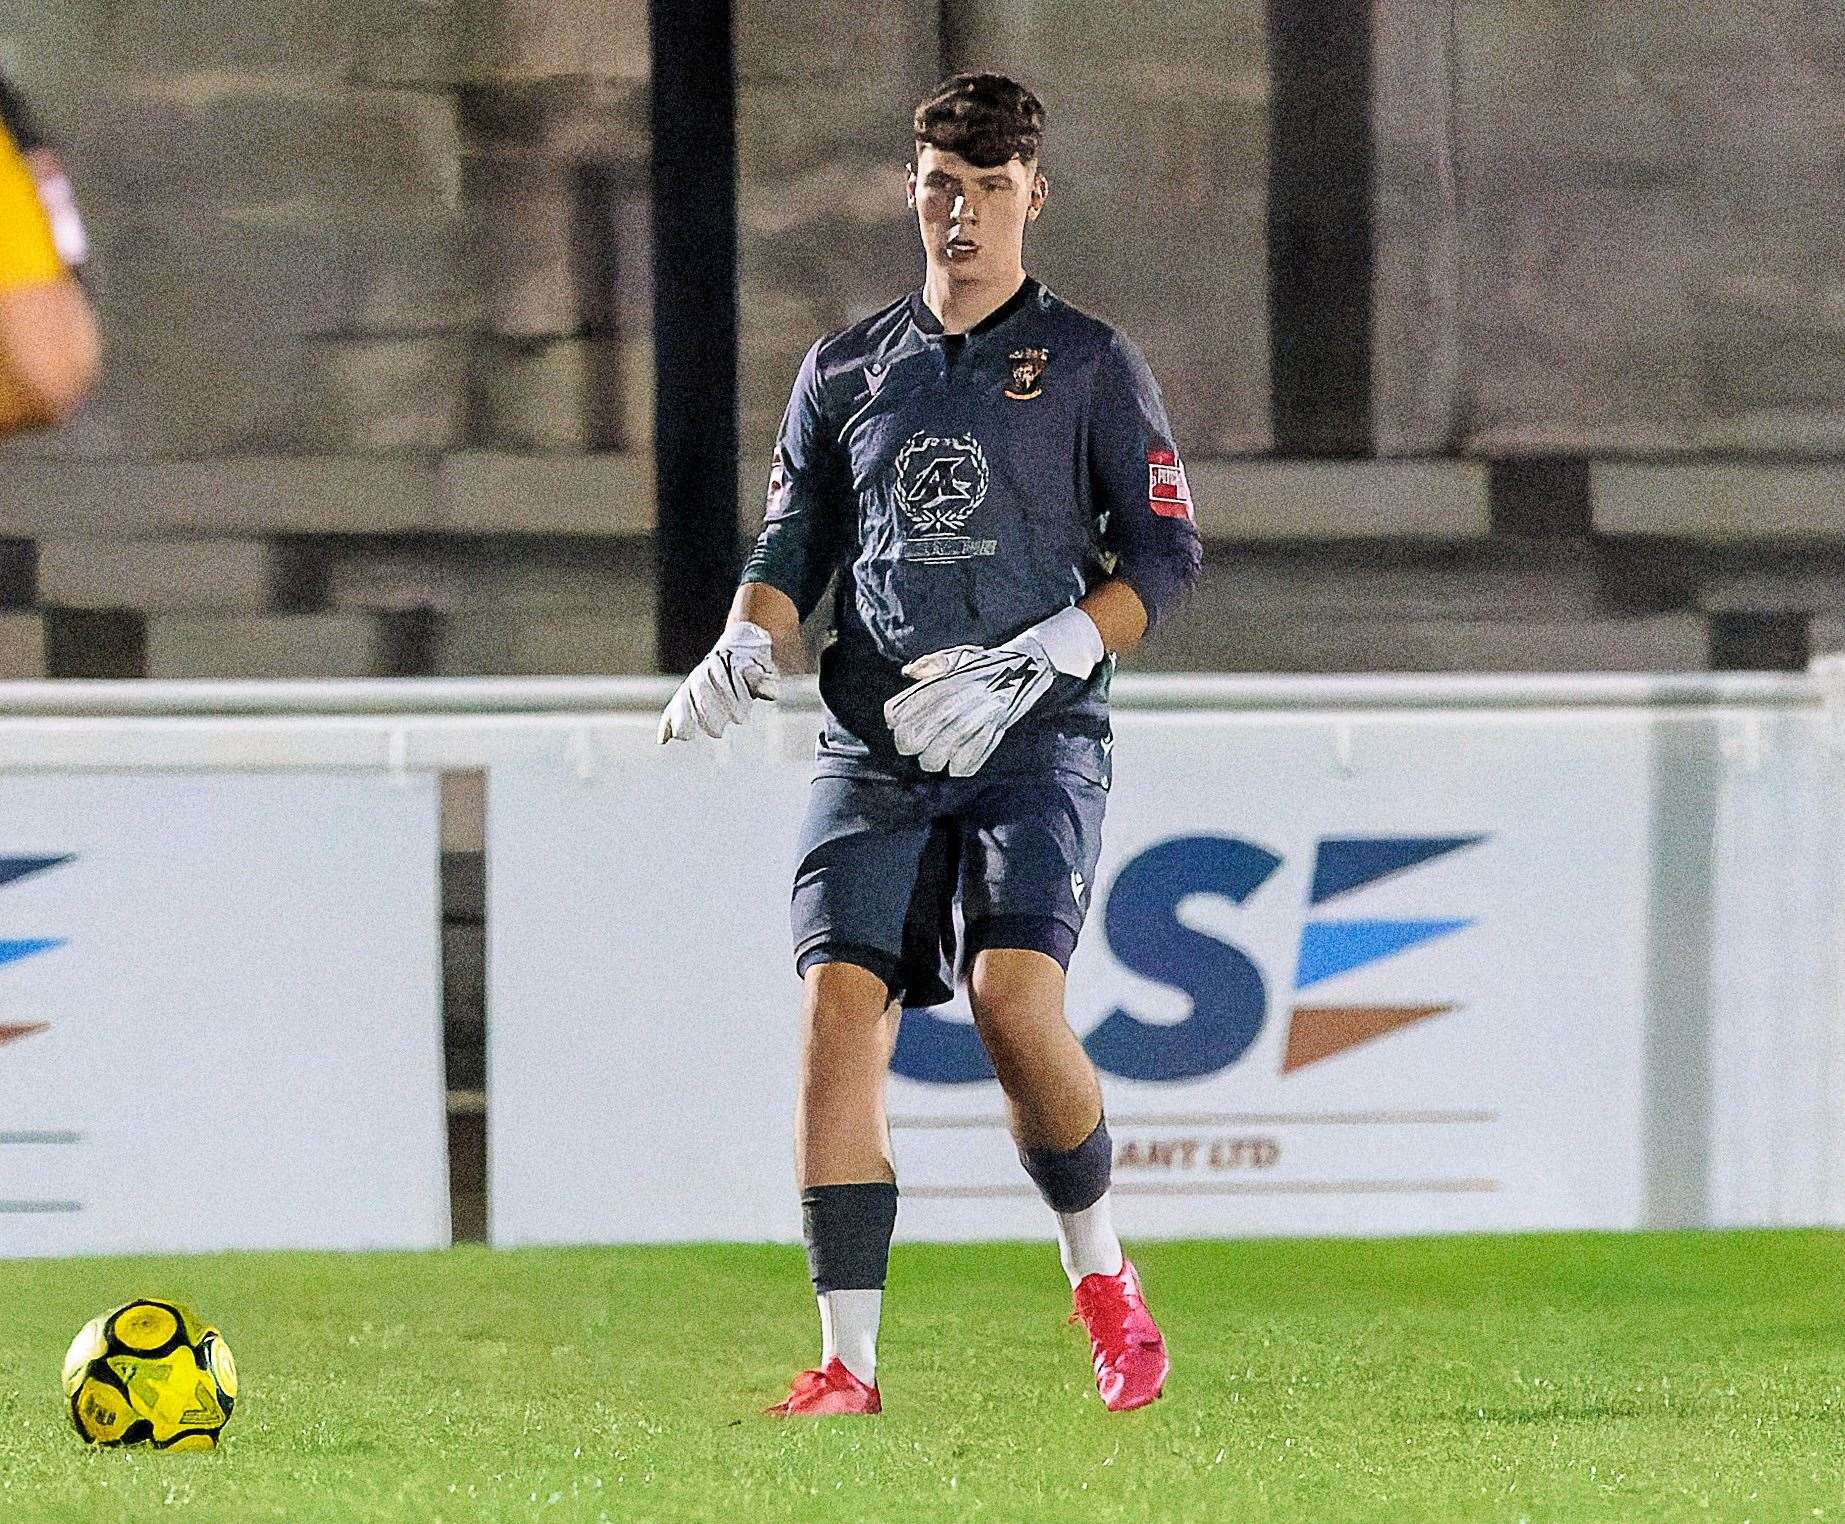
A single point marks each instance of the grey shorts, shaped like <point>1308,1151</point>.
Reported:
<point>886,863</point>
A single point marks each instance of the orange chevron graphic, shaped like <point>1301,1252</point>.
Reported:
<point>1318,1032</point>
<point>12,1029</point>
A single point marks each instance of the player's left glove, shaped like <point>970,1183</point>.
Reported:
<point>965,699</point>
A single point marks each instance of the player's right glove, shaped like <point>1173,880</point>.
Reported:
<point>964,699</point>
<point>739,670</point>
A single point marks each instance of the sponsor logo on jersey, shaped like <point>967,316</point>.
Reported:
<point>1168,492</point>
<point>1027,373</point>
<point>941,481</point>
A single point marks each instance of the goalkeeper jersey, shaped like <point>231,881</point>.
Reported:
<point>957,489</point>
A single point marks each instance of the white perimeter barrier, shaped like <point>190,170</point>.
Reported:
<point>1364,956</point>
<point>219,1012</point>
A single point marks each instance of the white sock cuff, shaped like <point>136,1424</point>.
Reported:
<point>849,1330</point>
<point>1089,1242</point>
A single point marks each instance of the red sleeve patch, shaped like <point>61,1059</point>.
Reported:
<point>778,485</point>
<point>1168,493</point>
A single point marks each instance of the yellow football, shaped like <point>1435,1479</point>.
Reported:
<point>150,1372</point>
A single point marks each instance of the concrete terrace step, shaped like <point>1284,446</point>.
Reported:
<point>1252,643</point>
<point>268,646</point>
<point>204,572</point>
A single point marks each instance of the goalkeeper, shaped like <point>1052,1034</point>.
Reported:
<point>989,478</point>
<point>48,343</point>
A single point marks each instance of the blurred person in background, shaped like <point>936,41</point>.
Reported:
<point>49,351</point>
<point>988,476</point>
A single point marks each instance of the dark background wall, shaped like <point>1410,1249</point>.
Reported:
<point>1501,334</point>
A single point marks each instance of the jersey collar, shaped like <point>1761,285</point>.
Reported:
<point>930,324</point>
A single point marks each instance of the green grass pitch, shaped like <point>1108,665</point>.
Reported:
<point>1688,1376</point>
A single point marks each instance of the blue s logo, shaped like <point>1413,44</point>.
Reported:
<point>1229,999</point>
<point>1228,993</point>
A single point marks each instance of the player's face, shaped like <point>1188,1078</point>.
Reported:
<point>973,219</point>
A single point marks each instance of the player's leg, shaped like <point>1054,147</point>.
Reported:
<point>863,843</point>
<point>848,1030</point>
<point>1033,846</point>
<point>1063,1143</point>
<point>843,1158</point>
<point>1052,1097</point>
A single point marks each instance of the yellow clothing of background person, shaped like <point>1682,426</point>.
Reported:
<point>49,350</point>
<point>28,250</point>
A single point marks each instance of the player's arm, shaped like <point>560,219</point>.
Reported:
<point>49,350</point>
<point>50,354</point>
<point>793,560</point>
<point>1117,613</point>
<point>1152,541</point>
<point>1149,531</point>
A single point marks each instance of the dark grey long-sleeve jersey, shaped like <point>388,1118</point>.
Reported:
<point>964,487</point>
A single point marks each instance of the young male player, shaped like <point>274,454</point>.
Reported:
<point>48,343</point>
<point>991,477</point>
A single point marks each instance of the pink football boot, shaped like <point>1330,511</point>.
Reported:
<point>830,1392</point>
<point>1130,1355</point>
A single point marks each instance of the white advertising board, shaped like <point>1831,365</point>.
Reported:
<point>1381,976</point>
<point>1399,990</point>
<point>1772,1072</point>
<point>641,996</point>
<point>219,1013</point>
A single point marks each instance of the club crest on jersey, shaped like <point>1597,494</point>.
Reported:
<point>1027,373</point>
<point>1168,493</point>
<point>940,482</point>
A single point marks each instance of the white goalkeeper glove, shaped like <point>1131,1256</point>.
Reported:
<point>966,698</point>
<point>739,670</point>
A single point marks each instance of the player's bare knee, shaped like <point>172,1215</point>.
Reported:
<point>1013,991</point>
<point>999,1025</point>
<point>846,987</point>
<point>847,1008</point>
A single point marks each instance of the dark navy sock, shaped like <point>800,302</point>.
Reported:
<point>848,1230</point>
<point>1076,1178</point>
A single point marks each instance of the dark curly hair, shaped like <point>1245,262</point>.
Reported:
<point>987,119</point>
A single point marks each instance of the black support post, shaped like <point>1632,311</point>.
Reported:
<point>1320,201</point>
<point>695,323</point>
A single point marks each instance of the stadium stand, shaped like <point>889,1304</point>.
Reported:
<point>378,300</point>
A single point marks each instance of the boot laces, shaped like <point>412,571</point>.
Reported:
<point>1116,1321</point>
